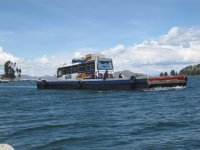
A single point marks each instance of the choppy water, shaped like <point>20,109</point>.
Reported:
<point>161,118</point>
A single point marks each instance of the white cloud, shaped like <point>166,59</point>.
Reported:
<point>178,48</point>
<point>77,55</point>
<point>42,60</point>
<point>45,65</point>
<point>4,56</point>
<point>180,36</point>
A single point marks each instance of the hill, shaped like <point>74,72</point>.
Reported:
<point>126,73</point>
<point>191,70</point>
<point>27,77</point>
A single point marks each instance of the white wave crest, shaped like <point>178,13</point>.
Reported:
<point>164,88</point>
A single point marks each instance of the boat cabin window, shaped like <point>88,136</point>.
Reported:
<point>105,65</point>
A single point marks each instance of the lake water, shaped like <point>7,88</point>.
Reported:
<point>161,118</point>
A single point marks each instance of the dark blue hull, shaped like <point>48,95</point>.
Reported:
<point>94,84</point>
<point>111,84</point>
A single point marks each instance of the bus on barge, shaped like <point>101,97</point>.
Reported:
<point>96,72</point>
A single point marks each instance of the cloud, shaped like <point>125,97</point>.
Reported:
<point>176,49</point>
<point>77,55</point>
<point>42,60</point>
<point>4,56</point>
<point>180,36</point>
<point>44,65</point>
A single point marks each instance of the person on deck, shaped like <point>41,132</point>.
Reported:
<point>121,75</point>
<point>105,74</point>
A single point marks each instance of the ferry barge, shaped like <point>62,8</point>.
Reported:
<point>96,72</point>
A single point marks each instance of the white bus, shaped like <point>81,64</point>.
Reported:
<point>88,68</point>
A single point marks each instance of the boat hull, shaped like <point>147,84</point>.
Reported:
<point>93,84</point>
<point>113,84</point>
<point>169,81</point>
<point>68,85</point>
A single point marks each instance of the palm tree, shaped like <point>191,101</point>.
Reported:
<point>20,71</point>
<point>6,68</point>
<point>9,70</point>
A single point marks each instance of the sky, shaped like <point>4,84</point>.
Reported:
<point>140,35</point>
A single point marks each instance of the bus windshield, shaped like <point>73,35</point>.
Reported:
<point>105,65</point>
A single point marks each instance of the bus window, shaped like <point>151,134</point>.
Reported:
<point>81,68</point>
<point>68,70</point>
<point>64,71</point>
<point>105,65</point>
<point>59,73</point>
<point>75,69</point>
<point>92,67</point>
<point>88,68</point>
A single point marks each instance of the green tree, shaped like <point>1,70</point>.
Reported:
<point>161,74</point>
<point>9,70</point>
<point>172,73</point>
<point>165,74</point>
<point>197,71</point>
<point>20,71</point>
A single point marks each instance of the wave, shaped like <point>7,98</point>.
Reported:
<point>159,126</point>
<point>165,88</point>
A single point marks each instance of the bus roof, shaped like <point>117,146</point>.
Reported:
<point>87,61</point>
<point>68,65</point>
